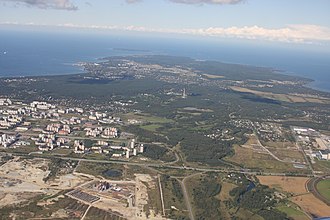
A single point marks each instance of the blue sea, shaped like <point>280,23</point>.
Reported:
<point>28,52</point>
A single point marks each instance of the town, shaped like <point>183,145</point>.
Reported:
<point>48,127</point>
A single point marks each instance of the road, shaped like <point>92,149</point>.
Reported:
<point>186,195</point>
<point>265,149</point>
<point>187,200</point>
<point>83,217</point>
<point>159,165</point>
<point>161,194</point>
<point>303,151</point>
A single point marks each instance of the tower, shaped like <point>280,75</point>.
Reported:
<point>184,94</point>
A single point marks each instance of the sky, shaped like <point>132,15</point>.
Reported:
<point>298,21</point>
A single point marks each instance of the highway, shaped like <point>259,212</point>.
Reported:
<point>159,165</point>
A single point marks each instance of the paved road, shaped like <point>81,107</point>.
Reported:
<point>160,165</point>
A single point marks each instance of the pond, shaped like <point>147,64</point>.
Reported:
<point>112,173</point>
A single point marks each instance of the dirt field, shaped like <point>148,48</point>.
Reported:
<point>210,76</point>
<point>225,189</point>
<point>296,185</point>
<point>21,180</point>
<point>312,205</point>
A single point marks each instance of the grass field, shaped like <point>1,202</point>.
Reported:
<point>173,198</point>
<point>146,118</point>
<point>322,165</point>
<point>323,187</point>
<point>151,127</point>
<point>99,169</point>
<point>282,97</point>
<point>250,159</point>
<point>293,213</point>
<point>296,187</point>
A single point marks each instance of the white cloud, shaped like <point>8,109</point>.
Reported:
<point>291,33</point>
<point>45,4</point>
<point>221,2</point>
<point>300,33</point>
<point>197,2</point>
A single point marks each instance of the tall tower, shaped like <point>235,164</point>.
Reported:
<point>184,94</point>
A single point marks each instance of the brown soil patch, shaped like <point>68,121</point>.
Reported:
<point>312,205</point>
<point>295,185</point>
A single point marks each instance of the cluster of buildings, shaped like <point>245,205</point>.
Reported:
<point>267,131</point>
<point>64,127</point>
<point>5,102</point>
<point>103,132</point>
<point>104,186</point>
<point>323,154</point>
<point>47,142</point>
<point>103,147</point>
<point>79,147</point>
<point>316,144</point>
<point>7,140</point>
<point>59,128</point>
<point>10,121</point>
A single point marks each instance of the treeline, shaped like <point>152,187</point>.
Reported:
<point>157,152</point>
<point>206,205</point>
<point>260,201</point>
<point>145,135</point>
<point>198,148</point>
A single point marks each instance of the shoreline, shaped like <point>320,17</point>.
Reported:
<point>310,84</point>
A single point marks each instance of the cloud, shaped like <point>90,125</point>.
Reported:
<point>298,33</point>
<point>197,2</point>
<point>220,2</point>
<point>302,33</point>
<point>291,33</point>
<point>133,1</point>
<point>45,4</point>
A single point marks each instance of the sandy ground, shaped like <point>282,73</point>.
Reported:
<point>21,180</point>
<point>143,183</point>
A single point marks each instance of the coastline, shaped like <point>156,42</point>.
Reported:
<point>77,69</point>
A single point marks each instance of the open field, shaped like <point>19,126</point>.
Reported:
<point>293,213</point>
<point>294,185</point>
<point>248,158</point>
<point>299,194</point>
<point>151,127</point>
<point>312,205</point>
<point>288,155</point>
<point>173,198</point>
<point>211,76</point>
<point>283,97</point>
<point>323,187</point>
<point>145,118</point>
<point>322,165</point>
<point>20,178</point>
<point>101,170</point>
